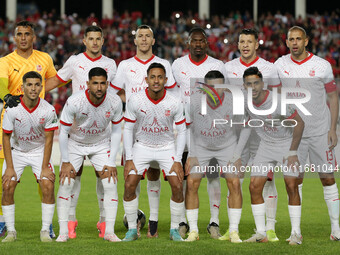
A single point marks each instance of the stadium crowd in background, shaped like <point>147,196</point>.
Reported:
<point>62,37</point>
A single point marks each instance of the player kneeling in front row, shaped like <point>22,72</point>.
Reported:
<point>278,144</point>
<point>150,114</point>
<point>28,134</point>
<point>86,119</point>
<point>212,141</point>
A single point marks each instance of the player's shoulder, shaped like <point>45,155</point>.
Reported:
<point>78,96</point>
<point>214,60</point>
<point>46,105</point>
<point>232,62</point>
<point>283,59</point>
<point>8,57</point>
<point>173,98</point>
<point>42,54</point>
<point>161,60</point>
<point>180,60</point>
<point>112,96</point>
<point>109,60</point>
<point>319,60</point>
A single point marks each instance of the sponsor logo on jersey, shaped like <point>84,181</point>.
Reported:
<point>17,70</point>
<point>143,111</point>
<point>132,71</point>
<point>39,68</point>
<point>82,67</point>
<point>286,72</point>
<point>154,127</point>
<point>31,136</point>
<point>184,73</point>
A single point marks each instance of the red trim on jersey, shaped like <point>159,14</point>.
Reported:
<point>51,129</point>
<point>188,124</point>
<point>180,122</point>
<point>60,79</point>
<point>303,61</point>
<point>115,87</point>
<point>198,63</point>
<point>264,100</point>
<point>25,107</point>
<point>330,86</point>
<point>117,122</point>
<point>216,106</point>
<point>128,120</point>
<point>92,59</point>
<point>172,86</point>
<point>249,64</point>
<point>88,98</point>
<point>7,131</point>
<point>293,115</point>
<point>146,61</point>
<point>275,86</point>
<point>65,124</point>
<point>154,101</point>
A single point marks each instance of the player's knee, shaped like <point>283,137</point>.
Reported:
<point>130,189</point>
<point>234,184</point>
<point>327,179</point>
<point>193,185</point>
<point>46,186</point>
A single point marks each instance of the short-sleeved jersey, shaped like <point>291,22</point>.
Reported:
<point>77,68</point>
<point>131,75</point>
<point>28,126</point>
<point>154,119</point>
<point>315,75</point>
<point>236,67</point>
<point>205,133</point>
<point>185,68</point>
<point>91,123</point>
<point>271,131</point>
<point>13,67</point>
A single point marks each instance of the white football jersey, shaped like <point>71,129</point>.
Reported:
<point>91,123</point>
<point>154,119</point>
<point>131,75</point>
<point>28,126</point>
<point>271,131</point>
<point>236,67</point>
<point>185,68</point>
<point>77,69</point>
<point>204,132</point>
<point>315,75</point>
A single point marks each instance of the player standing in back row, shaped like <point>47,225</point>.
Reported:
<point>130,79</point>
<point>247,45</point>
<point>302,69</point>
<point>77,68</point>
<point>193,66</point>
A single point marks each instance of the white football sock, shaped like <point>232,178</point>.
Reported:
<point>110,204</point>
<point>259,212</point>
<point>270,200</point>
<point>154,194</point>
<point>63,205</point>
<point>295,218</point>
<point>47,211</point>
<point>331,195</point>
<point>100,198</point>
<point>2,219</point>
<point>192,215</point>
<point>234,218</point>
<point>214,192</point>
<point>130,208</point>
<point>241,182</point>
<point>74,199</point>
<point>300,192</point>
<point>176,210</point>
<point>9,215</point>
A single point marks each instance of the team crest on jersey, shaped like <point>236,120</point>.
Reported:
<point>167,113</point>
<point>41,120</point>
<point>107,114</point>
<point>39,68</point>
<point>312,73</point>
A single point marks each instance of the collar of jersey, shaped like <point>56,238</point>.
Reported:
<point>249,64</point>
<point>198,63</point>
<point>303,61</point>
<point>26,108</point>
<point>155,101</point>
<point>88,98</point>
<point>146,61</point>
<point>92,59</point>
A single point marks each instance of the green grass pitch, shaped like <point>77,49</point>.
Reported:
<point>315,223</point>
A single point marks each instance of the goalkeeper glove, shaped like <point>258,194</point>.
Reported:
<point>11,101</point>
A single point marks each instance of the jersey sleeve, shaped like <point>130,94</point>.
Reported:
<point>171,83</point>
<point>273,79</point>
<point>222,69</point>
<point>68,114</point>
<point>65,73</point>
<point>112,71</point>
<point>175,72</point>
<point>118,82</point>
<point>118,114</point>
<point>51,122</point>
<point>130,112</point>
<point>3,78</point>
<point>179,117</point>
<point>51,72</point>
<point>328,79</point>
<point>8,122</point>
